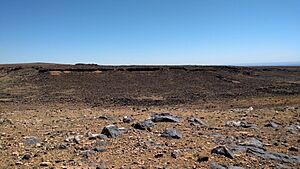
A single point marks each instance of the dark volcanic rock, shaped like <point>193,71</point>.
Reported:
<point>243,124</point>
<point>273,156</point>
<point>99,149</point>
<point>271,124</point>
<point>293,128</point>
<point>221,139</point>
<point>5,121</point>
<point>26,157</point>
<point>31,140</point>
<point>102,143</point>
<point>144,125</point>
<point>45,164</point>
<point>171,133</point>
<point>95,136</point>
<point>222,150</point>
<point>202,159</point>
<point>105,117</point>
<point>214,165</point>
<point>197,122</point>
<point>159,155</point>
<point>74,139</point>
<point>63,146</point>
<point>175,153</point>
<point>111,131</point>
<point>235,167</point>
<point>88,153</point>
<point>281,166</point>
<point>102,136</point>
<point>127,119</point>
<point>238,149</point>
<point>252,142</point>
<point>293,149</point>
<point>165,117</point>
<point>77,139</point>
<point>245,144</point>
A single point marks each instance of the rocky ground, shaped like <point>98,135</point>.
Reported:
<point>88,116</point>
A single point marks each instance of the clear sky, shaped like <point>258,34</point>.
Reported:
<point>150,31</point>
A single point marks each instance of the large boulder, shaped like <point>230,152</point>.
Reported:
<point>242,124</point>
<point>197,122</point>
<point>222,150</point>
<point>171,133</point>
<point>143,125</point>
<point>111,131</point>
<point>165,117</point>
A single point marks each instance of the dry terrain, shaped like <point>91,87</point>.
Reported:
<point>90,116</point>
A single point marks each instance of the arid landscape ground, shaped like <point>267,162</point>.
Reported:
<point>90,116</point>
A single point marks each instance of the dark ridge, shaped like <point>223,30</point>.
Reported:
<point>76,70</point>
<point>133,102</point>
<point>177,68</point>
<point>145,69</point>
<point>94,67</point>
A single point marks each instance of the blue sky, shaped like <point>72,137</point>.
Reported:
<point>150,31</point>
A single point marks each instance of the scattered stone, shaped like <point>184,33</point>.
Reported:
<point>105,117</point>
<point>171,133</point>
<point>99,149</point>
<point>74,139</point>
<point>175,153</point>
<point>245,144</point>
<point>144,125</point>
<point>273,156</point>
<point>281,166</point>
<point>122,130</point>
<point>252,142</point>
<point>250,108</point>
<point>202,159</point>
<point>77,139</point>
<point>111,131</point>
<point>243,124</point>
<point>196,122</point>
<point>233,123</point>
<point>31,140</point>
<point>236,149</point>
<point>127,119</point>
<point>242,110</point>
<point>62,146</point>
<point>293,149</point>
<point>45,164</point>
<point>165,117</point>
<point>271,124</point>
<point>294,129</point>
<point>282,109</point>
<point>214,165</point>
<point>19,163</point>
<point>102,136</point>
<point>26,157</point>
<point>5,121</point>
<point>159,155</point>
<point>88,153</point>
<point>102,143</point>
<point>222,150</point>
<point>221,139</point>
<point>235,167</point>
<point>95,136</point>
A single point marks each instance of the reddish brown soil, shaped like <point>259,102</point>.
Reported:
<point>53,102</point>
